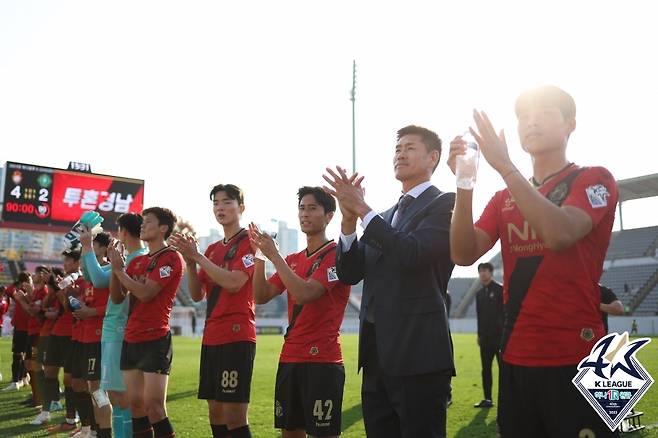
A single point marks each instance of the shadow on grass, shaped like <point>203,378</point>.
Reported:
<point>352,416</point>
<point>11,412</point>
<point>478,427</point>
<point>179,395</point>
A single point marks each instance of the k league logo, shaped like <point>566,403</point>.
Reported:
<point>611,378</point>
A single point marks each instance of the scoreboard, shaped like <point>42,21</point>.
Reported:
<point>50,196</point>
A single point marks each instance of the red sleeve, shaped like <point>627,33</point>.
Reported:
<point>488,221</point>
<point>168,268</point>
<point>326,273</point>
<point>595,192</point>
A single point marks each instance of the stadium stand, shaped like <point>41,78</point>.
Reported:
<point>649,305</point>
<point>627,244</point>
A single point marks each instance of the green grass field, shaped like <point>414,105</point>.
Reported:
<point>189,415</point>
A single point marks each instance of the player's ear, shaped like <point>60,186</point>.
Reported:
<point>329,216</point>
<point>241,208</point>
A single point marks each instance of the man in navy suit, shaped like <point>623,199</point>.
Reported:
<point>403,258</point>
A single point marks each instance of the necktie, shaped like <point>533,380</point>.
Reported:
<point>403,204</point>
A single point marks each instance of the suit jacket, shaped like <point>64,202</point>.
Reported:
<point>405,273</point>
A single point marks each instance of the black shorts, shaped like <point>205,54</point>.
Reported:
<point>19,342</point>
<point>309,396</point>
<point>32,343</point>
<point>78,361</point>
<point>225,372</point>
<point>542,402</point>
<point>92,352</point>
<point>149,357</point>
<point>57,351</point>
<point>42,346</point>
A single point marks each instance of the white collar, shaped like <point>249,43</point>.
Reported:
<point>419,189</point>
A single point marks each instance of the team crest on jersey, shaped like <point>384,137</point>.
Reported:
<point>597,196</point>
<point>165,271</point>
<point>332,275</point>
<point>611,378</point>
<point>314,351</point>
<point>559,193</point>
<point>248,260</point>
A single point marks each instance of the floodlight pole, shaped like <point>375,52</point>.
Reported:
<point>353,99</point>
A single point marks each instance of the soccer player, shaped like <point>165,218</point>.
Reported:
<point>490,317</point>
<point>4,307</point>
<point>150,282</point>
<point>33,292</point>
<point>59,347</point>
<point>77,363</point>
<point>554,232</point>
<point>47,343</point>
<point>19,343</point>
<point>309,383</point>
<point>91,314</point>
<point>114,323</point>
<point>229,337</point>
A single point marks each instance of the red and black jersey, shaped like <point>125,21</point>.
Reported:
<point>313,330</point>
<point>76,325</point>
<point>34,323</point>
<point>19,319</point>
<point>150,320</point>
<point>552,298</point>
<point>231,316</point>
<point>92,328</point>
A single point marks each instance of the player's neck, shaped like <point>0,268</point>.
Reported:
<point>545,165</point>
<point>231,230</point>
<point>156,245</point>
<point>315,241</point>
<point>133,245</point>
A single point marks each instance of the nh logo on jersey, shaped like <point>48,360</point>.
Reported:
<point>165,271</point>
<point>332,275</point>
<point>248,261</point>
<point>611,378</point>
<point>597,195</point>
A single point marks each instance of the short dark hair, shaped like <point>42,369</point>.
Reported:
<point>72,254</point>
<point>232,191</point>
<point>546,95</point>
<point>39,269</point>
<point>323,198</point>
<point>164,216</point>
<point>56,270</point>
<point>488,266</point>
<point>103,239</point>
<point>131,222</point>
<point>23,277</point>
<point>430,139</point>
